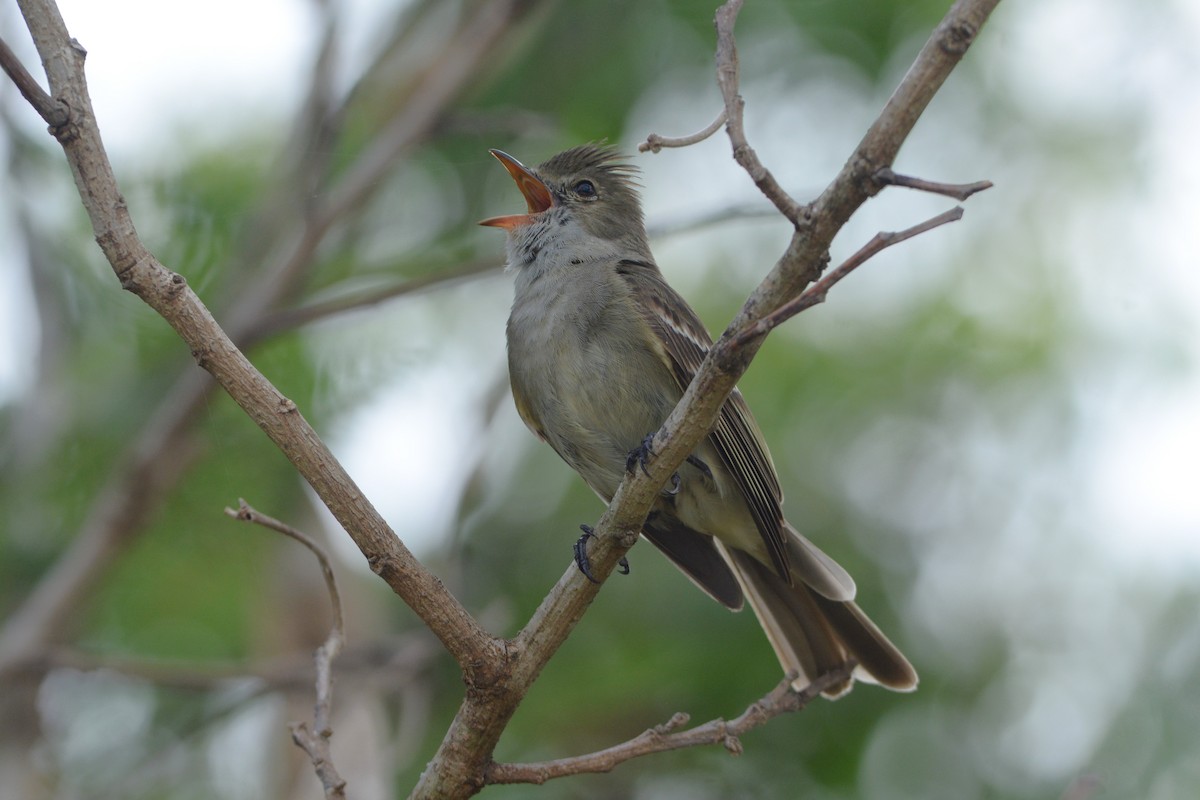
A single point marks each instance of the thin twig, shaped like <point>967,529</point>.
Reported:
<point>816,293</point>
<point>743,153</point>
<point>279,321</point>
<point>391,661</point>
<point>959,191</point>
<point>780,700</point>
<point>314,742</point>
<point>654,142</point>
<point>52,111</point>
<point>706,219</point>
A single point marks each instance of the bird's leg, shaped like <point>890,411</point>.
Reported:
<point>581,556</point>
<point>639,455</point>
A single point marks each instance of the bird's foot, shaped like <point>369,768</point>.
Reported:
<point>581,556</point>
<point>640,455</point>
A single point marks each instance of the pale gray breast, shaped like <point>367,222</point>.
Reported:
<point>582,357</point>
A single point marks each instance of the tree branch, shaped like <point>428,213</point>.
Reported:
<point>959,191</point>
<point>816,293</point>
<point>728,80</point>
<point>655,143</point>
<point>52,111</point>
<point>668,736</point>
<point>314,742</point>
<point>288,319</point>
<point>168,294</point>
<point>163,451</point>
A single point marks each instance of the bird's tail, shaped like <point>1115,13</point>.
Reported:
<point>813,634</point>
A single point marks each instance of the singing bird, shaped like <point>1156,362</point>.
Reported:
<point>600,350</point>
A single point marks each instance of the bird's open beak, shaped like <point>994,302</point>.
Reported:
<point>537,196</point>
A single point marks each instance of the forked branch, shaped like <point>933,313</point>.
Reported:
<point>49,109</point>
<point>816,293</point>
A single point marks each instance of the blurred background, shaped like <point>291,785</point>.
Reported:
<point>995,427</point>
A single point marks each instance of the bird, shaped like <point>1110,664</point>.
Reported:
<point>600,350</point>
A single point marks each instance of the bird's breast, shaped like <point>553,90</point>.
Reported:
<point>585,373</point>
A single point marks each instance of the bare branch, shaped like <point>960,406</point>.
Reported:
<point>655,143</point>
<point>816,293</point>
<point>743,153</point>
<point>51,110</point>
<point>317,748</point>
<point>392,661</point>
<point>162,452</point>
<point>168,294</point>
<point>247,513</point>
<point>668,736</point>
<point>314,742</point>
<point>959,191</point>
<point>275,323</point>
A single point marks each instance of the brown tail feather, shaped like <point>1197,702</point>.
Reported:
<point>812,634</point>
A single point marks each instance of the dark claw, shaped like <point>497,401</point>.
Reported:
<point>581,556</point>
<point>700,465</point>
<point>675,482</point>
<point>640,455</point>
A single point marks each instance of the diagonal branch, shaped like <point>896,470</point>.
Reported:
<point>168,294</point>
<point>163,451</point>
<point>287,319</point>
<point>816,293</point>
<point>807,251</point>
<point>49,109</point>
<point>669,736</point>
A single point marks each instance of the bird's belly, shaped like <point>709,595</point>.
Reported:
<point>592,397</point>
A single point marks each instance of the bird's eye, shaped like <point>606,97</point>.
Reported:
<point>585,189</point>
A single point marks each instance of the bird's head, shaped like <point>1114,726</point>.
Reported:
<point>585,194</point>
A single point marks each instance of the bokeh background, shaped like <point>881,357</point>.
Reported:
<point>995,426</point>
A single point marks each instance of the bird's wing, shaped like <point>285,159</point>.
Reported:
<point>735,436</point>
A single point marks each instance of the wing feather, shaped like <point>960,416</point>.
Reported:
<point>735,436</point>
